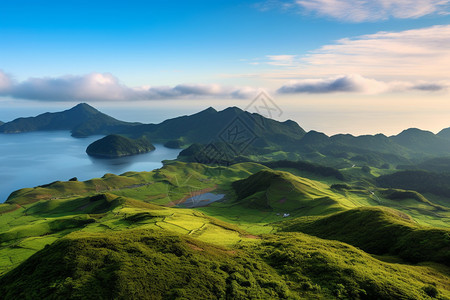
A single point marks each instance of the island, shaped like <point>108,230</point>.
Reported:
<point>114,146</point>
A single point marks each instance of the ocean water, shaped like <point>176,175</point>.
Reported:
<point>31,159</point>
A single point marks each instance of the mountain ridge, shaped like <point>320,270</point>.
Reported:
<point>76,119</point>
<point>264,134</point>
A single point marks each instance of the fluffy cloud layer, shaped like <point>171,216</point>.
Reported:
<point>422,52</point>
<point>373,10</point>
<point>411,54</point>
<point>106,87</point>
<point>357,84</point>
<point>418,54</point>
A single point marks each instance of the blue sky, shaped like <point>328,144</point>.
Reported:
<point>320,51</point>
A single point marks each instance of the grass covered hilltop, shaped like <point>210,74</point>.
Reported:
<point>288,215</point>
<point>275,235</point>
<point>113,146</point>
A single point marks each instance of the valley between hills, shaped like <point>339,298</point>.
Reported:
<point>277,213</point>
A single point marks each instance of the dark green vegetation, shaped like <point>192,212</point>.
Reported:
<point>281,191</point>
<point>174,144</point>
<point>211,125</point>
<point>304,216</point>
<point>242,136</point>
<point>124,237</point>
<point>445,133</point>
<point>421,181</point>
<point>381,231</point>
<point>114,145</point>
<point>163,265</point>
<point>82,120</point>
<point>438,165</point>
<point>306,167</point>
<point>277,141</point>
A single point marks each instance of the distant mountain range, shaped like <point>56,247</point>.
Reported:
<point>247,131</point>
<point>82,120</point>
<point>303,216</point>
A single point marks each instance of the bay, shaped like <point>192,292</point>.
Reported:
<point>36,158</point>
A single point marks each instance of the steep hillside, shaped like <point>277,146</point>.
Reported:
<point>421,181</point>
<point>248,137</point>
<point>165,265</point>
<point>127,237</point>
<point>379,230</point>
<point>303,166</point>
<point>82,120</point>
<point>113,146</point>
<point>210,125</point>
<point>421,141</point>
<point>444,133</point>
<point>438,165</point>
<point>284,192</point>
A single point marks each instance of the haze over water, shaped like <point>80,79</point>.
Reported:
<point>31,159</point>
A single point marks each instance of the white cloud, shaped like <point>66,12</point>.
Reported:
<point>373,10</point>
<point>423,52</point>
<point>94,86</point>
<point>417,54</point>
<point>5,82</point>
<point>355,83</point>
<point>106,87</point>
<point>281,60</point>
<point>347,83</point>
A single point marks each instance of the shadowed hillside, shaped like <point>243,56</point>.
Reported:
<point>277,190</point>
<point>113,146</point>
<point>421,181</point>
<point>82,120</point>
<point>379,230</point>
<point>139,263</point>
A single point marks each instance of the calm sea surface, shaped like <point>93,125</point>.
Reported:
<point>31,159</point>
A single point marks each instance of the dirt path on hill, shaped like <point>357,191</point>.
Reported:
<point>12,210</point>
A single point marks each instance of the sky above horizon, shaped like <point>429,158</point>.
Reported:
<point>331,65</point>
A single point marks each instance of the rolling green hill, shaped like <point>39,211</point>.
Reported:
<point>379,230</point>
<point>163,265</point>
<point>303,166</point>
<point>437,165</point>
<point>126,236</point>
<point>82,120</point>
<point>113,146</point>
<point>285,228</point>
<point>421,181</point>
<point>283,192</point>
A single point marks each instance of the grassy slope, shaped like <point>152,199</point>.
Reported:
<point>176,181</point>
<point>165,265</point>
<point>26,231</point>
<point>36,217</point>
<point>380,231</point>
